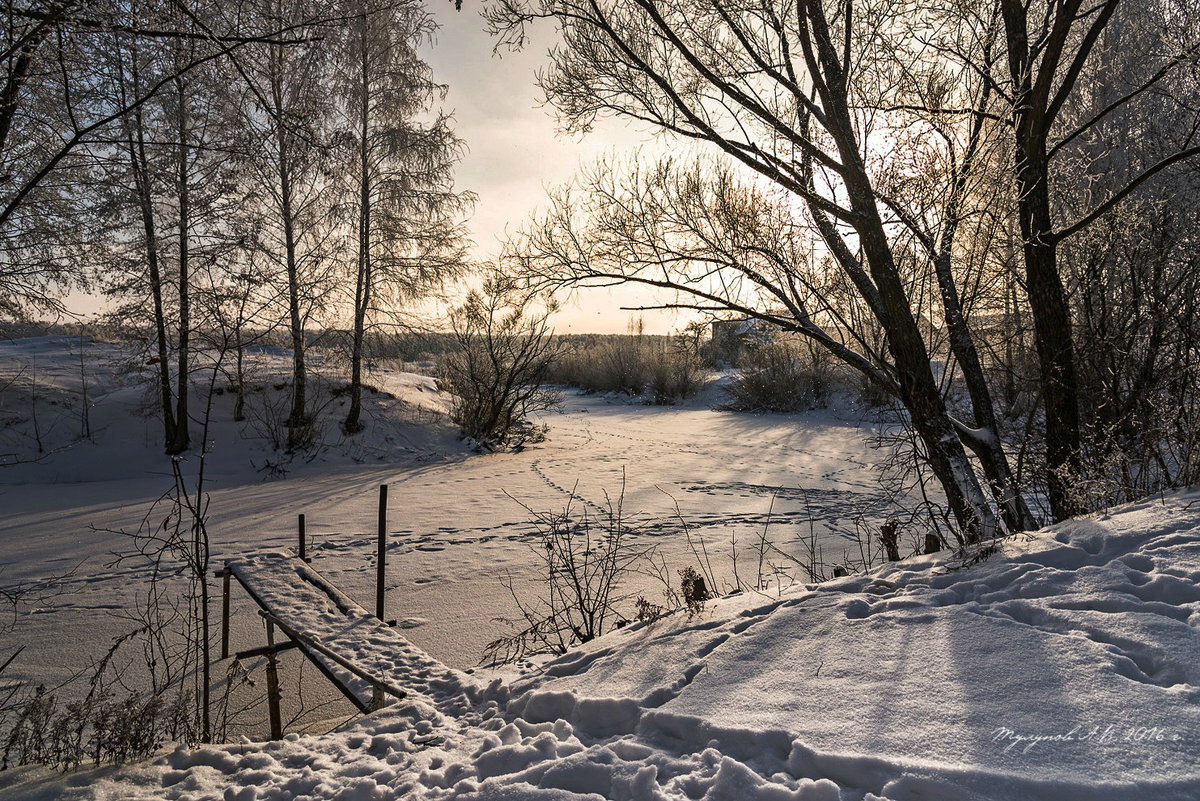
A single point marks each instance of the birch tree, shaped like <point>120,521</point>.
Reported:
<point>406,213</point>
<point>169,182</point>
<point>288,124</point>
<point>54,112</point>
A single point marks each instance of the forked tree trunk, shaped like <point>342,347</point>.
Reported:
<point>984,442</point>
<point>918,389</point>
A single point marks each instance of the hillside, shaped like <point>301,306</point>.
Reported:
<point>1063,666</point>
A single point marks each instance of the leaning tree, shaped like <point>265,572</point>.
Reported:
<point>792,95</point>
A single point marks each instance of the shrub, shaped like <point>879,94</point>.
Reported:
<point>496,378</point>
<point>582,562</point>
<point>663,369</point>
<point>693,589</point>
<point>777,379</point>
<point>101,728</point>
<point>675,374</point>
<point>621,365</point>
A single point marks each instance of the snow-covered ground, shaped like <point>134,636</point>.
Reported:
<point>457,521</point>
<point>1063,666</point>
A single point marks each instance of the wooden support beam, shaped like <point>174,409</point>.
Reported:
<point>225,613</point>
<point>264,650</point>
<point>273,685</point>
<point>303,555</point>
<point>382,561</point>
<point>376,697</point>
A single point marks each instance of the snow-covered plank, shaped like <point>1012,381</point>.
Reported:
<point>356,650</point>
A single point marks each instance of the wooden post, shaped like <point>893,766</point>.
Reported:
<point>303,557</point>
<point>225,613</point>
<point>273,686</point>
<point>376,697</point>
<point>379,567</point>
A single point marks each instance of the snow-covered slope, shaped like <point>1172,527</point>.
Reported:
<point>457,521</point>
<point>46,437</point>
<point>1065,665</point>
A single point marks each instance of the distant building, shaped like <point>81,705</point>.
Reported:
<point>730,338</point>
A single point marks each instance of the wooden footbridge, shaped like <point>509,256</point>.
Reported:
<point>360,653</point>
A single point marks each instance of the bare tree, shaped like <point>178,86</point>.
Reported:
<point>1054,51</point>
<point>53,111</point>
<point>783,91</point>
<point>408,217</point>
<point>167,175</point>
<point>288,118</point>
<point>1133,270</point>
<point>131,63</point>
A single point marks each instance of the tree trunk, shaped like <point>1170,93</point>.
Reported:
<point>918,389</point>
<point>985,443</point>
<point>141,180</point>
<point>298,416</point>
<point>1056,353</point>
<point>205,657</point>
<point>362,293</point>
<point>239,406</point>
<point>1051,323</point>
<point>136,143</point>
<point>1047,299</point>
<point>182,440</point>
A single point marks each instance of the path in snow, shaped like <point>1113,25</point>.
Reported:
<point>1065,667</point>
<point>456,522</point>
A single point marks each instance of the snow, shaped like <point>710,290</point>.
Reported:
<point>457,524</point>
<point>317,612</point>
<point>1063,664</point>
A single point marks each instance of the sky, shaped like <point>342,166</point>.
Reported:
<point>515,154</point>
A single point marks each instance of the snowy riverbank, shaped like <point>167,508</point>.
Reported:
<point>1063,666</point>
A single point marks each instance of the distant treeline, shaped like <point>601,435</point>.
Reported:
<point>409,346</point>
